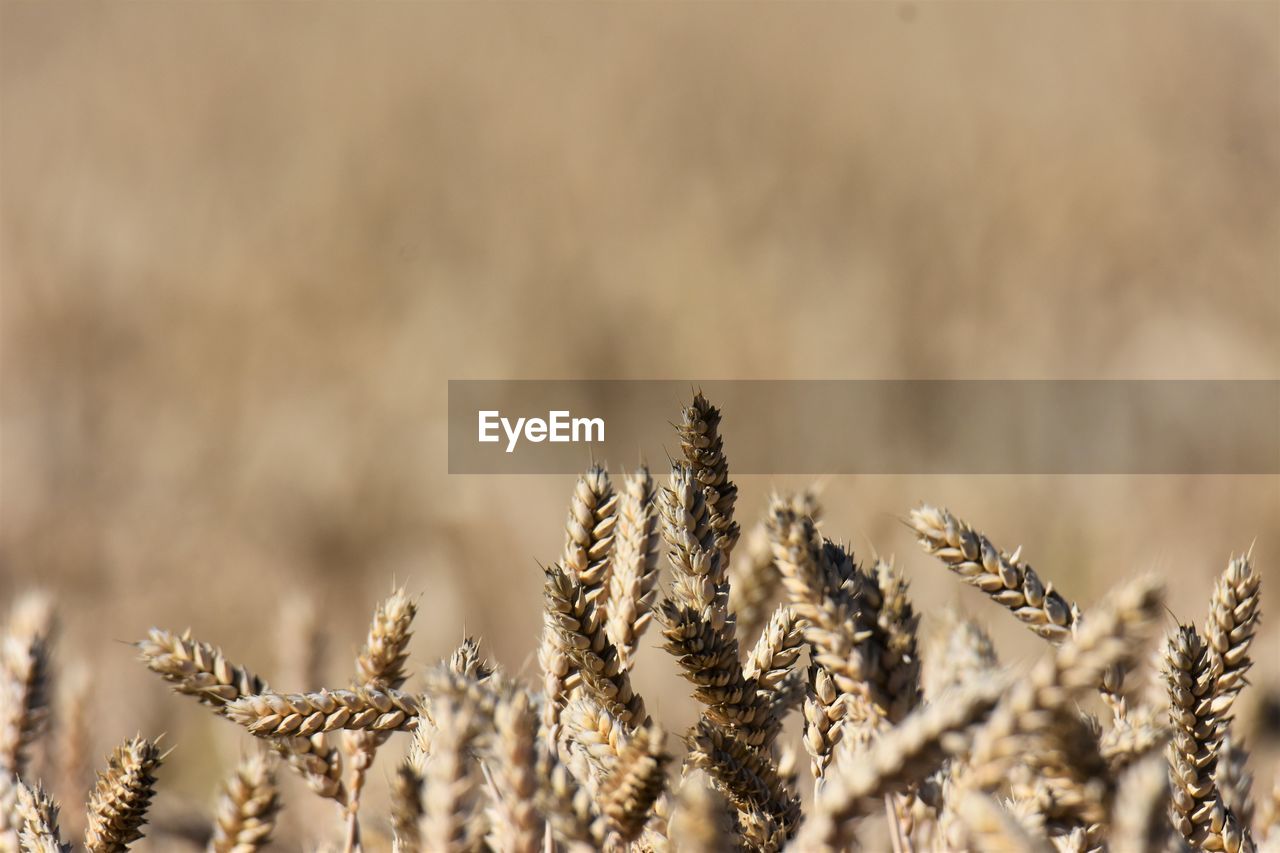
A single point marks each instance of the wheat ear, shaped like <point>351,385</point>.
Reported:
<point>119,801</point>
<point>1234,781</point>
<point>860,626</point>
<point>202,671</point>
<point>1036,723</point>
<point>408,787</point>
<point>1003,577</point>
<point>1141,821</point>
<point>301,715</point>
<point>697,628</point>
<point>1229,629</point>
<point>902,755</point>
<point>633,785</point>
<point>517,826</point>
<point>587,552</point>
<point>964,653</point>
<point>578,625</point>
<point>768,811</point>
<point>38,821</point>
<point>1197,810</point>
<point>380,665</point>
<point>73,732</point>
<point>754,581</point>
<point>703,449</point>
<point>247,808</point>
<point>24,680</point>
<point>452,811</point>
<point>773,658</point>
<point>703,820</point>
<point>635,566</point>
<point>992,829</point>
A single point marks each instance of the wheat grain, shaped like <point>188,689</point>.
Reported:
<point>120,799</point>
<point>247,808</point>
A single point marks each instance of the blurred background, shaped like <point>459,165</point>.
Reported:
<point>244,246</point>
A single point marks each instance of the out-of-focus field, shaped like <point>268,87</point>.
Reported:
<point>244,247</point>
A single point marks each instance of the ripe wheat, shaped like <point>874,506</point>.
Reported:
<point>931,746</point>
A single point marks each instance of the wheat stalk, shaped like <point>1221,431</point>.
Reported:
<point>120,799</point>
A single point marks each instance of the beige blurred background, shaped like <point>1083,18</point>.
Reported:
<point>245,245</point>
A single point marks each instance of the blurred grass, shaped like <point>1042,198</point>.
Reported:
<point>244,246</point>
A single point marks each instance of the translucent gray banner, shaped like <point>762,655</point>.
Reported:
<point>875,426</point>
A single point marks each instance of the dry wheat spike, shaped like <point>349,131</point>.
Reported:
<point>1003,577</point>
<point>204,672</point>
<point>634,573</point>
<point>120,799</point>
<point>247,807</point>
<point>38,816</point>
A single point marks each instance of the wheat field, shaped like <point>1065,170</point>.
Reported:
<point>825,722</point>
<point>244,245</point>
